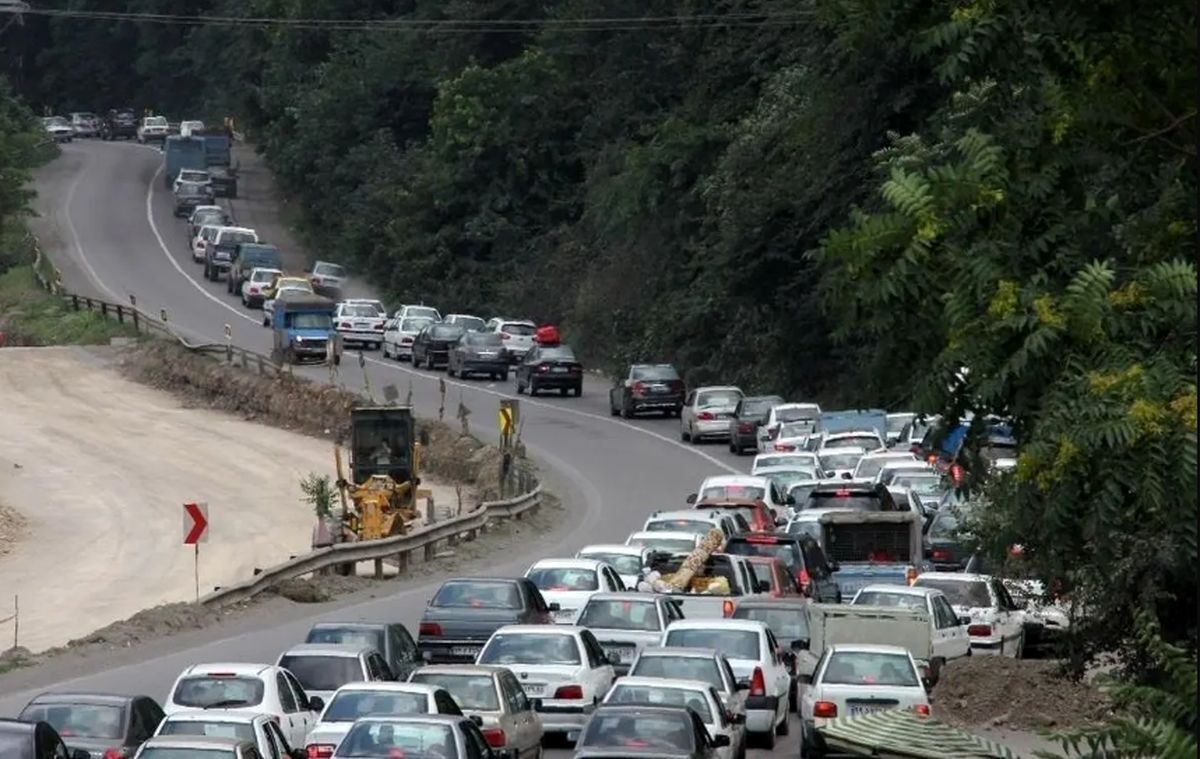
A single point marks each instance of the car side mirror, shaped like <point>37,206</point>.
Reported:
<point>535,704</point>
<point>720,740</point>
<point>847,476</point>
<point>800,644</point>
<point>477,720</point>
<point>691,498</point>
<point>736,718</point>
<point>743,684</point>
<point>316,703</point>
<point>554,606</point>
<point>963,619</point>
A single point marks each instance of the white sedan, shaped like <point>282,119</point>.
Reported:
<point>997,625</point>
<point>561,665</point>
<point>153,128</point>
<point>700,696</point>
<point>262,729</point>
<point>839,463</point>
<point>200,242</point>
<point>571,582</point>
<point>254,289</point>
<point>726,486</point>
<point>359,323</point>
<point>353,701</point>
<point>854,679</point>
<point>628,560</point>
<point>801,459</point>
<point>399,332</point>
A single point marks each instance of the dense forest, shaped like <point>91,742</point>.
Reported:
<point>848,200</point>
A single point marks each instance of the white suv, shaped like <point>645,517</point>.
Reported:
<point>517,335</point>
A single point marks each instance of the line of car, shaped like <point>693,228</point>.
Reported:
<point>117,123</point>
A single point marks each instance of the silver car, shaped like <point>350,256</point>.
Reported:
<point>700,697</point>
<point>706,413</point>
<point>704,664</point>
<point>626,623</point>
<point>426,735</point>
<point>322,668</point>
<point>168,747</point>
<point>507,716</point>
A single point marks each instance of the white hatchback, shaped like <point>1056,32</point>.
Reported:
<point>517,335</point>
<point>571,582</point>
<point>628,560</point>
<point>262,729</point>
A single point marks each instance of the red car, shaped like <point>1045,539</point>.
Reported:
<point>756,513</point>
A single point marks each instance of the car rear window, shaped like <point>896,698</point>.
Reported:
<point>876,669</point>
<point>893,600</point>
<point>679,525</point>
<point>530,648</point>
<point>388,739</point>
<point>476,692</point>
<point>795,414</point>
<point>323,672</point>
<point>845,499</point>
<point>186,753</point>
<point>654,373</point>
<point>972,594</point>
<point>837,461</point>
<point>619,615</point>
<point>209,728</point>
<point>662,695</point>
<point>564,578</point>
<point>202,691</point>
<point>718,398</point>
<point>787,551</point>
<point>679,668</point>
<point>641,732</point>
<point>351,705</point>
<point>329,270</point>
<point>346,636</point>
<point>557,353</point>
<point>443,331</point>
<point>512,328</point>
<point>363,311</point>
<point>723,492</point>
<point>735,644</point>
<point>414,325</point>
<point>79,720</point>
<point>945,525</point>
<point>481,339</point>
<point>233,238</point>
<point>478,594</point>
<point>788,623</point>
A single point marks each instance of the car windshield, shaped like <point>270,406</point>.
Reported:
<point>922,484</point>
<point>172,752</point>
<point>945,525</point>
<point>323,672</point>
<point>193,175</point>
<point>735,644</point>
<point>645,732</point>
<point>844,499</point>
<point>619,615</point>
<point>972,594</point>
<point>209,728</point>
<point>556,353</point>
<point>514,328</point>
<point>668,545</point>
<point>869,467</point>
<point>726,492</point>
<point>788,623</point>
<point>662,695</point>
<point>866,442</point>
<point>625,564</point>
<point>209,218</point>
<point>561,578</point>
<point>478,594</point>
<point>233,238</point>
<point>351,705</point>
<point>775,549</point>
<point>473,692</point>
<point>201,691</point>
<point>414,325</point>
<point>669,667</point>
<point>484,340</point>
<point>329,270</point>
<point>361,311</point>
<point>79,720</point>
<point>347,636</point>
<point>679,525</point>
<point>530,648</point>
<point>311,320</point>
<point>839,461</point>
<point>874,669</point>
<point>796,429</point>
<point>711,398</point>
<point>662,373</point>
<point>800,491</point>
<point>893,600</point>
<point>763,572</point>
<point>391,739</point>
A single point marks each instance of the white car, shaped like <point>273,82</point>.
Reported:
<point>896,423</point>
<point>418,312</point>
<point>85,124</point>
<point>200,242</point>
<point>372,302</point>
<point>359,323</point>
<point>996,626</point>
<point>725,486</point>
<point>868,440</point>
<point>700,696</point>
<point>950,639</point>
<point>188,128</point>
<point>153,128</point>
<point>870,464</point>
<point>262,729</point>
<point>354,701</point>
<point>803,459</point>
<point>788,476</point>
<point>698,521</point>
<point>58,128</point>
<point>399,333</point>
<point>252,688</point>
<point>889,467</point>
<point>517,335</point>
<point>256,285</point>
<point>322,668</point>
<point>192,176</point>
<point>562,665</point>
<point>629,561</point>
<point>666,542</point>
<point>571,582</point>
<point>326,276</point>
<point>269,303</point>
<point>791,437</point>
<point>806,413</point>
<point>855,679</point>
<point>467,322</point>
<point>495,696</point>
<point>754,655</point>
<point>839,463</point>
<point>706,413</point>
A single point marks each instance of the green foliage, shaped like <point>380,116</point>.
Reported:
<point>318,493</point>
<point>34,317</point>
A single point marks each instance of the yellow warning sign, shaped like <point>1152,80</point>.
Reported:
<point>506,421</point>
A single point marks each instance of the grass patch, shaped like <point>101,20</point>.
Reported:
<point>31,316</point>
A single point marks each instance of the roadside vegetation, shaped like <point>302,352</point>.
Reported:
<point>843,200</point>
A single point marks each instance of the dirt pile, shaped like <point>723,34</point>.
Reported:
<point>12,528</point>
<point>1025,694</point>
<point>313,408</point>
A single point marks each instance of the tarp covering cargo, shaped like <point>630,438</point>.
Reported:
<point>906,735</point>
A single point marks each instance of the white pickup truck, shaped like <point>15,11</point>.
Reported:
<point>735,570</point>
<point>831,624</point>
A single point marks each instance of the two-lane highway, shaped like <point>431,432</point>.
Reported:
<point>115,235</point>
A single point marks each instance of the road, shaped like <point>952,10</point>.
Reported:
<point>107,223</point>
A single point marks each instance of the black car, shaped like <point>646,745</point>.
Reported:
<point>208,217</point>
<point>647,387</point>
<point>800,554</point>
<point>661,731</point>
<point>97,722</point>
<point>391,639</point>
<point>852,497</point>
<point>247,257</point>
<point>119,124</point>
<point>946,548</point>
<point>749,413</point>
<point>189,195</point>
<point>465,611</point>
<point>431,346</point>
<point>550,367</point>
<point>224,181</point>
<point>478,353</point>
<point>34,740</point>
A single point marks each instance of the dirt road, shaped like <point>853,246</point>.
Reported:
<point>99,468</point>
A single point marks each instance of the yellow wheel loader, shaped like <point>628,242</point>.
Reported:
<point>379,498</point>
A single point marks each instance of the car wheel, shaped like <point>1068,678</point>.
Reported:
<point>768,740</point>
<point>626,410</point>
<point>533,388</point>
<point>563,391</point>
<point>684,435</point>
<point>784,727</point>
<point>613,410</point>
<point>694,438</point>
<point>578,390</point>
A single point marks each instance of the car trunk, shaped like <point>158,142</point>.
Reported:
<point>542,680</point>
<point>465,628</point>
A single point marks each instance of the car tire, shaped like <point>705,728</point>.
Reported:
<point>626,411</point>
<point>694,438</point>
<point>613,410</point>
<point>579,391</point>
<point>767,740</point>
<point>684,435</point>
<point>784,727</point>
<point>533,388</point>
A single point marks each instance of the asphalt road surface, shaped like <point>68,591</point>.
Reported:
<point>107,223</point>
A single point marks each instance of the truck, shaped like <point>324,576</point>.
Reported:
<point>181,153</point>
<point>302,328</point>
<point>872,547</point>
<point>248,256</point>
<point>832,624</point>
<point>713,588</point>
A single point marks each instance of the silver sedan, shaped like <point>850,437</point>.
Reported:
<point>443,735</point>
<point>706,413</point>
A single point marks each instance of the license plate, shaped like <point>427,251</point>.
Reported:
<point>471,651</point>
<point>620,654</point>
<point>860,709</point>
<point>361,325</point>
<point>533,689</point>
<point>560,370</point>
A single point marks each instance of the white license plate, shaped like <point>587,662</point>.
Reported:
<point>560,370</point>
<point>464,651</point>
<point>860,709</point>
<point>620,654</point>
<point>532,689</point>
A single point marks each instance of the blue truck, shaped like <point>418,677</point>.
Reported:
<point>181,153</point>
<point>873,547</point>
<point>302,329</point>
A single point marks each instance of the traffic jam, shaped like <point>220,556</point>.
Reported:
<point>832,582</point>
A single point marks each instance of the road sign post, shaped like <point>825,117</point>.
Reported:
<point>510,417</point>
<point>229,343</point>
<point>195,532</point>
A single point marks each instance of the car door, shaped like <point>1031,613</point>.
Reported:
<point>304,717</point>
<point>377,669</point>
<point>688,416</point>
<point>445,703</point>
<point>781,676</point>
<point>277,746</point>
<point>150,715</point>
<point>950,640</point>
<point>600,674</point>
<point>402,652</point>
<point>519,714</point>
<point>290,721</point>
<point>1009,618</point>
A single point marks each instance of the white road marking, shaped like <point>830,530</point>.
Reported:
<point>412,372</point>
<point>77,243</point>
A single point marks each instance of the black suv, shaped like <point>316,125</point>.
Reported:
<point>647,387</point>
<point>851,497</point>
<point>748,415</point>
<point>119,123</point>
<point>800,554</point>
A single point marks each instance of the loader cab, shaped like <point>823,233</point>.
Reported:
<point>382,441</point>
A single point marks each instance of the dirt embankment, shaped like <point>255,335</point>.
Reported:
<point>12,528</point>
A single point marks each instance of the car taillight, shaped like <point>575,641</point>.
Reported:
<point>940,554</point>
<point>543,368</point>
<point>344,325</point>
<point>745,428</point>
<point>638,388</point>
<point>705,416</point>
<point>320,750</point>
<point>254,290</point>
<point>825,709</point>
<point>569,692</point>
<point>803,580</point>
<point>982,631</point>
<point>922,709</point>
<point>762,539</point>
<point>315,281</point>
<point>430,628</point>
<point>758,683</point>
<point>495,737</point>
<point>727,608</point>
<point>406,341</point>
<point>785,447</point>
<point>910,575</point>
<point>115,753</point>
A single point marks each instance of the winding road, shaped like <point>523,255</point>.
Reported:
<point>112,234</point>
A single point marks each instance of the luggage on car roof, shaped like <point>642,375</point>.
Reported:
<point>547,334</point>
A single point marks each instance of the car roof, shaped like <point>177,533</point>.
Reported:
<point>82,697</point>
<point>591,564</point>
<point>613,548</point>
<point>627,595</point>
<point>867,648</point>
<point>571,630</point>
<point>247,230</point>
<point>908,464</point>
<point>459,669</point>
<point>714,388</point>
<point>509,580</point>
<point>795,404</point>
<point>438,719</point>
<point>684,651</point>
<point>328,649</point>
<point>641,708</point>
<point>696,515</point>
<point>733,479</point>
<point>386,686</point>
<point>814,515</point>
<point>836,450</point>
<point>661,682</point>
<point>195,741</point>
<point>267,269</point>
<point>955,576</point>
<point>901,590</point>
<point>765,537</point>
<point>891,456</point>
<point>782,468</point>
<point>218,715</point>
<point>772,602</point>
<point>237,669</point>
<point>668,534</point>
<point>718,624</point>
<point>350,625</point>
